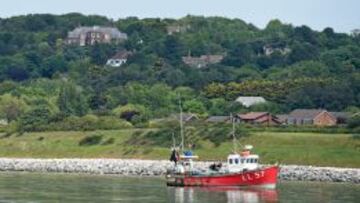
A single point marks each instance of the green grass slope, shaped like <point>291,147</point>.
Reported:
<point>341,150</point>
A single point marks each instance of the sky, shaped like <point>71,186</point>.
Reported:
<point>342,15</point>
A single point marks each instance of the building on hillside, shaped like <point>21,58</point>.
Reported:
<point>172,29</point>
<point>317,117</point>
<point>250,101</point>
<point>202,61</point>
<point>218,119</point>
<point>83,36</point>
<point>355,32</point>
<point>282,117</point>
<point>268,50</point>
<point>4,122</point>
<point>263,118</point>
<point>341,117</point>
<point>119,59</point>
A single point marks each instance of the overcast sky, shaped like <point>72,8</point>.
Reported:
<point>342,15</point>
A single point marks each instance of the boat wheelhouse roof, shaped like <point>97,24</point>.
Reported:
<point>251,156</point>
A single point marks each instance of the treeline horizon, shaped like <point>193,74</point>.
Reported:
<point>43,80</point>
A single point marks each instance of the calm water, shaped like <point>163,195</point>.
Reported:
<point>22,187</point>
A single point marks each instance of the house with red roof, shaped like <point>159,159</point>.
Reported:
<point>263,118</point>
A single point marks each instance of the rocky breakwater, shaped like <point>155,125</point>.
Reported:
<point>135,167</point>
<point>323,174</point>
<point>91,166</point>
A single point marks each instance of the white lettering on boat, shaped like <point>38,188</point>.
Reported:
<point>250,177</point>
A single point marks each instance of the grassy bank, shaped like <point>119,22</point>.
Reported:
<point>341,150</point>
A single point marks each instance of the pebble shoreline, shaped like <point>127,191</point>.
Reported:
<point>135,167</point>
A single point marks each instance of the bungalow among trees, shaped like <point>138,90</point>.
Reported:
<point>317,117</point>
<point>341,117</point>
<point>218,119</point>
<point>263,118</point>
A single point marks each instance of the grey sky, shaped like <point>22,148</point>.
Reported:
<point>343,15</point>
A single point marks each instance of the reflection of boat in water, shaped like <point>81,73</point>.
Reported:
<point>240,170</point>
<point>246,195</point>
<point>227,194</point>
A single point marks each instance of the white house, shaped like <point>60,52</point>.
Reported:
<point>249,101</point>
<point>118,59</point>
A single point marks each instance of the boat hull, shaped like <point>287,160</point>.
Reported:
<point>263,177</point>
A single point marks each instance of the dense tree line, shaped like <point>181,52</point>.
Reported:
<point>293,67</point>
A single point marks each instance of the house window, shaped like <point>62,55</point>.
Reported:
<point>308,121</point>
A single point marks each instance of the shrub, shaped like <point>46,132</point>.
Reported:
<point>89,123</point>
<point>354,122</point>
<point>111,122</point>
<point>35,120</point>
<point>90,140</point>
<point>109,141</point>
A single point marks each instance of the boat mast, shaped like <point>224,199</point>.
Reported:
<point>174,141</point>
<point>181,125</point>
<point>233,133</point>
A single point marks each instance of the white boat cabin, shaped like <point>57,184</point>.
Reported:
<point>186,163</point>
<point>242,162</point>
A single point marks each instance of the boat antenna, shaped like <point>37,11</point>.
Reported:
<point>181,125</point>
<point>233,133</point>
<point>174,141</point>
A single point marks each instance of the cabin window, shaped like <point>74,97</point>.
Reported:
<point>236,161</point>
<point>242,161</point>
<point>247,160</point>
<point>230,161</point>
<point>255,160</point>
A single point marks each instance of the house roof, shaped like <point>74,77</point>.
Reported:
<point>252,115</point>
<point>282,117</point>
<point>218,119</point>
<point>249,101</point>
<point>122,55</point>
<point>305,113</point>
<point>203,60</point>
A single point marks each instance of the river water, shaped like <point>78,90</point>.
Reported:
<point>26,187</point>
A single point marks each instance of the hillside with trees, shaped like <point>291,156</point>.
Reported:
<point>45,83</point>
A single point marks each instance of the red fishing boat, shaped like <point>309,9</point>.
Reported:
<point>240,170</point>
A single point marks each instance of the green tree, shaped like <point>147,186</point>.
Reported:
<point>11,108</point>
<point>71,100</point>
<point>194,106</point>
<point>35,119</point>
<point>218,107</point>
<point>130,112</point>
